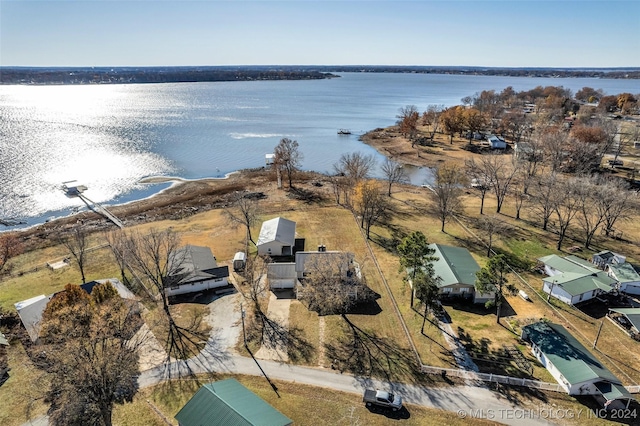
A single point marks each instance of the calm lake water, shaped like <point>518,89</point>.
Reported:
<point>108,137</point>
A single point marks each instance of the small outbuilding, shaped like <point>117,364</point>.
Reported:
<point>239,261</point>
<point>228,402</point>
<point>277,237</point>
<point>494,142</point>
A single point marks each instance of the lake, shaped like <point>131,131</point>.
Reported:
<point>108,137</point>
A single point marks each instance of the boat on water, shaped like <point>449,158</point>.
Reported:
<point>344,132</point>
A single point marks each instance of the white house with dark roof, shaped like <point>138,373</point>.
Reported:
<point>277,237</point>
<point>198,272</point>
<point>607,257</point>
<point>574,280</point>
<point>575,369</point>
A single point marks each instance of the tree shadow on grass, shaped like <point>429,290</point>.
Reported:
<point>305,195</point>
<point>367,355</point>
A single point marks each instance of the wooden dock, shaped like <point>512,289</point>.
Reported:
<point>78,190</point>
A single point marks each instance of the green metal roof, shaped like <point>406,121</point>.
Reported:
<point>569,356</point>
<point>228,403</point>
<point>455,265</point>
<point>568,264</point>
<point>625,272</point>
<point>576,283</point>
<point>612,391</point>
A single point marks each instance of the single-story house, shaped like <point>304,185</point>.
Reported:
<point>282,275</point>
<point>576,369</point>
<point>457,271</point>
<point>574,280</point>
<point>30,311</point>
<point>627,276</point>
<point>494,142</point>
<point>277,237</point>
<point>198,271</point>
<point>607,257</point>
<point>228,402</point>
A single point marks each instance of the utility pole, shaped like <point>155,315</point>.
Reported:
<point>244,333</point>
<point>595,342</point>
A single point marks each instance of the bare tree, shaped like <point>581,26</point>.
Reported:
<point>554,143</point>
<point>77,244</point>
<point>446,192</point>
<point>117,240</point>
<point>500,172</point>
<point>394,172</point>
<point>370,204</point>
<point>544,192</point>
<point>493,227</point>
<point>353,167</point>
<point>431,119</point>
<point>157,257</point>
<point>590,215</point>
<point>617,203</point>
<point>243,211</point>
<point>566,202</point>
<point>287,157</point>
<point>479,180</point>
<point>10,246</point>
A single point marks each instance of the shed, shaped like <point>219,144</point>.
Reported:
<point>239,261</point>
<point>277,237</point>
<point>495,142</point>
<point>228,402</point>
<point>576,369</point>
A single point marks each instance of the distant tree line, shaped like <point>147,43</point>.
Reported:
<point>148,75</point>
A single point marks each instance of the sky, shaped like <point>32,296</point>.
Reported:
<point>507,33</point>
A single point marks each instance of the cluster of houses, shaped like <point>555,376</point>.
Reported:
<point>573,280</point>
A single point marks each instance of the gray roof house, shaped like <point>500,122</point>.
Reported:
<point>228,402</point>
<point>576,369</point>
<point>198,272</point>
<point>277,237</point>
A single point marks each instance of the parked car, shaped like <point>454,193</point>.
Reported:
<point>380,398</point>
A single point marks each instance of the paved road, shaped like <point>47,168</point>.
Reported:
<point>219,356</point>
